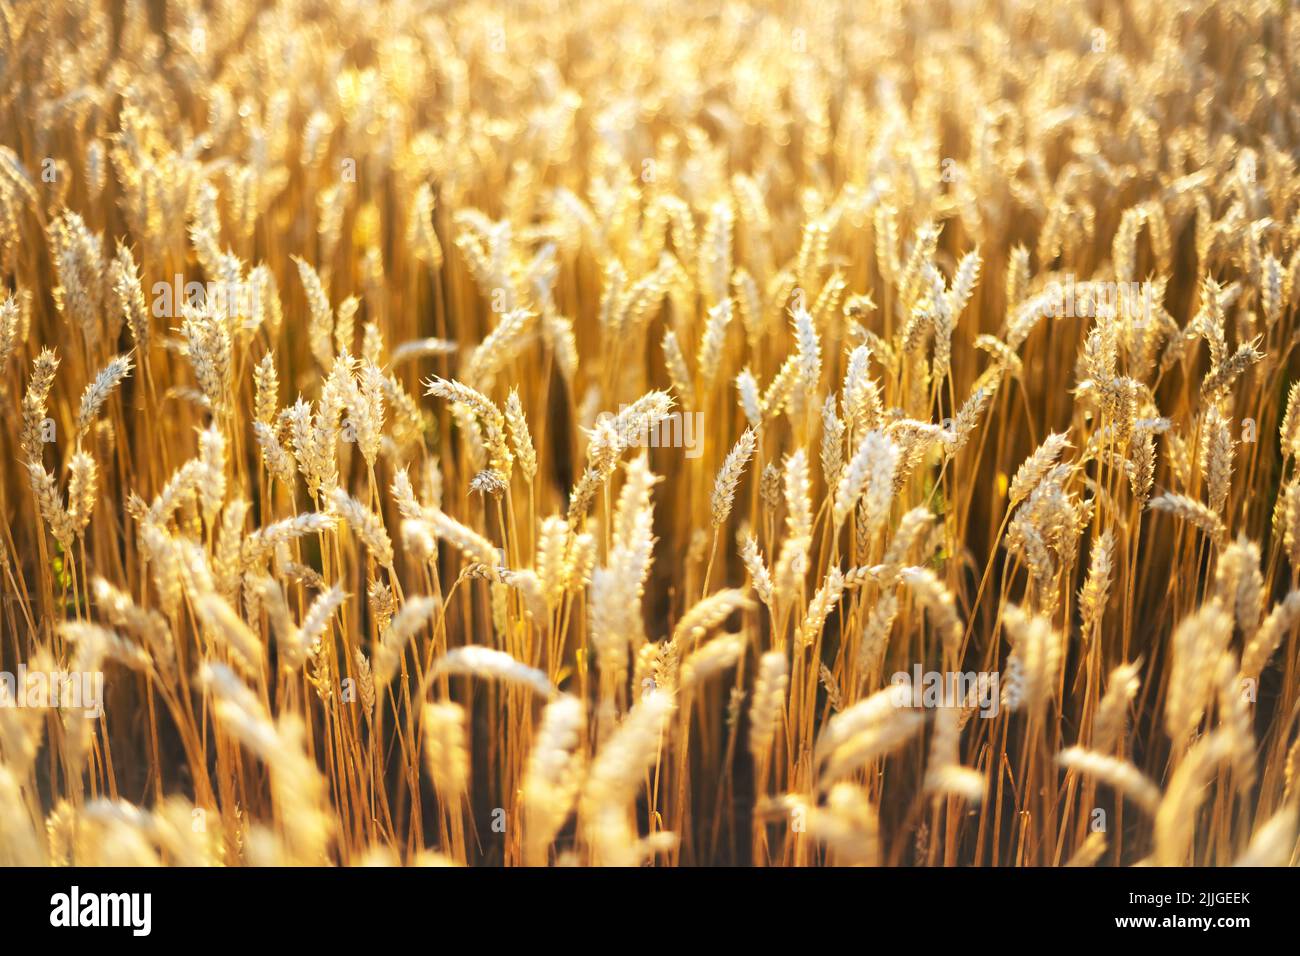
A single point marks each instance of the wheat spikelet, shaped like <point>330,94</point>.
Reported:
<point>820,607</point>
<point>98,391</point>
<point>938,602</point>
<point>445,753</point>
<point>493,665</point>
<point>1111,721</point>
<point>1280,621</point>
<point>1175,821</point>
<point>616,774</point>
<point>943,771</point>
<point>1198,642</point>
<point>1096,588</point>
<point>1090,852</point>
<point>1036,467</point>
<point>225,624</point>
<point>1120,774</point>
<point>707,614</point>
<point>715,656</point>
<point>1191,511</point>
<point>415,611</point>
<point>1035,659</point>
<point>553,779</point>
<point>870,744</point>
<point>1273,843</point>
<point>849,826</point>
<point>474,545</point>
<point>1216,458</point>
<point>368,526</point>
<point>759,575</point>
<point>520,437</point>
<point>724,486</point>
<point>769,701</point>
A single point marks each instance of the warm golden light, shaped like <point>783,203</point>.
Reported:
<point>675,432</point>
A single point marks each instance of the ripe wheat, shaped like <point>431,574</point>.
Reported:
<point>591,415</point>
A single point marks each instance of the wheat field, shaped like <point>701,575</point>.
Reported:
<point>855,432</point>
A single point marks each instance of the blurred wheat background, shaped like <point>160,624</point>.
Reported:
<point>375,556</point>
